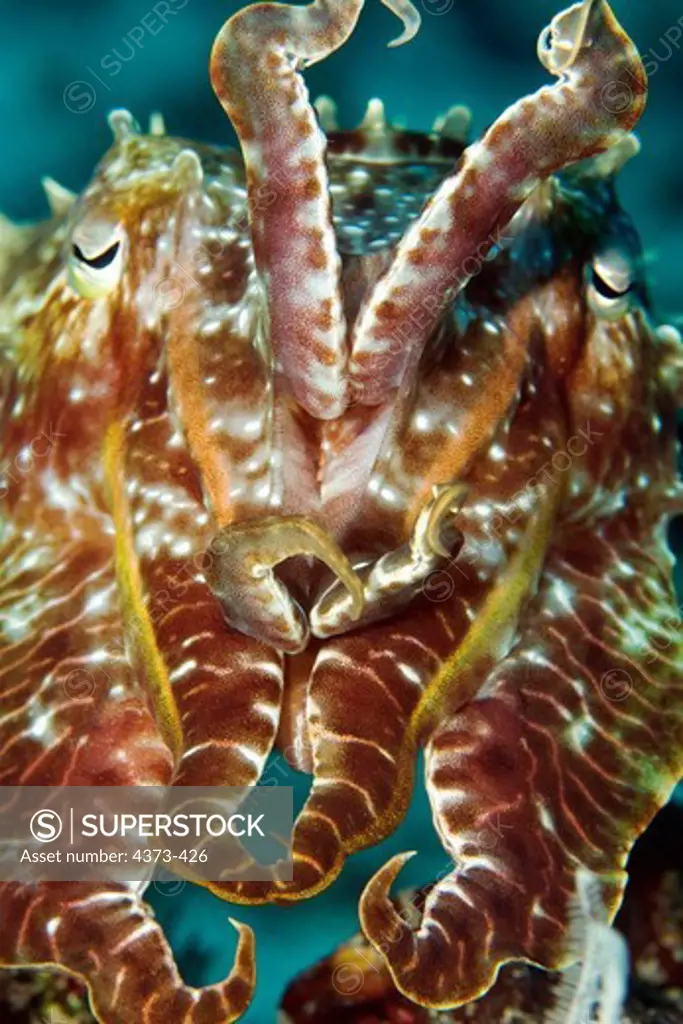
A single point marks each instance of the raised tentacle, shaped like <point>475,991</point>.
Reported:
<point>392,581</point>
<point>254,600</point>
<point>576,118</point>
<point>254,70</point>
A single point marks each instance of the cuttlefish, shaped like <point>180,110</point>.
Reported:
<point>353,444</point>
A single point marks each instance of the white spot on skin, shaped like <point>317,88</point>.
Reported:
<point>181,548</point>
<point>182,670</point>
<point>580,734</point>
<point>422,422</point>
<point>60,496</point>
<point>268,711</point>
<point>41,728</point>
<point>98,656</point>
<point>29,561</point>
<point>389,495</point>
<point>409,673</point>
<point>544,817</point>
<point>97,602</point>
<point>536,658</point>
<point>562,594</point>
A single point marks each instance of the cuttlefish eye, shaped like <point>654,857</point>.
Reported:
<point>95,258</point>
<point>610,283</point>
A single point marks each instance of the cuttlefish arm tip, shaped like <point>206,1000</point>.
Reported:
<point>409,15</point>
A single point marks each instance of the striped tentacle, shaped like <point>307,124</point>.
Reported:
<point>108,937</point>
<point>216,693</point>
<point>549,777</point>
<point>361,695</point>
<point>72,712</point>
<point>589,52</point>
<point>254,71</point>
<point>65,680</point>
<point>467,398</point>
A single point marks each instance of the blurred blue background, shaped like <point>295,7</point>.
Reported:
<point>65,65</point>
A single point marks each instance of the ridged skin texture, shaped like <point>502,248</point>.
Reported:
<point>351,446</point>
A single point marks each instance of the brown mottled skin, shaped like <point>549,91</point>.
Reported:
<point>446,408</point>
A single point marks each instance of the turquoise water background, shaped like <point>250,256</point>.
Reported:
<point>482,54</point>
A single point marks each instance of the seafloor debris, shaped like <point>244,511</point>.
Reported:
<point>42,997</point>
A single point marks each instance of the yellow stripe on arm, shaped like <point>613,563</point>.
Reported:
<point>132,594</point>
<point>452,684</point>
